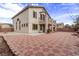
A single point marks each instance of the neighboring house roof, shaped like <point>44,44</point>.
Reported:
<point>5,24</point>
<point>2,24</point>
<point>60,24</point>
<point>30,7</point>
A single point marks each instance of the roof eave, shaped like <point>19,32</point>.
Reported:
<point>30,7</point>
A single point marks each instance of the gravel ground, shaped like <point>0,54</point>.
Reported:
<point>4,49</point>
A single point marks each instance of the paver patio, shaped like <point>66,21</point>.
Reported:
<point>58,44</point>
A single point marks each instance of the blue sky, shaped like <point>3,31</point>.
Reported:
<point>61,12</point>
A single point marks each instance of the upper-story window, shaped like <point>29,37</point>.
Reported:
<point>34,14</point>
<point>42,16</point>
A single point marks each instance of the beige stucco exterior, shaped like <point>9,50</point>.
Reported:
<point>23,17</point>
<point>60,25</point>
<point>33,20</point>
<point>26,17</point>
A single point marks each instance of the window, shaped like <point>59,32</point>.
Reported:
<point>17,19</point>
<point>16,22</point>
<point>35,26</point>
<point>26,24</point>
<point>42,16</point>
<point>19,25</point>
<point>40,27</point>
<point>22,25</point>
<point>34,14</point>
<point>16,25</point>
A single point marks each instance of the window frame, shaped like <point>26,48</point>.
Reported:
<point>42,17</point>
<point>34,14</point>
<point>26,24</point>
<point>16,25</point>
<point>35,26</point>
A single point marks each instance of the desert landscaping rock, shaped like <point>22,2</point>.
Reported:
<point>4,49</point>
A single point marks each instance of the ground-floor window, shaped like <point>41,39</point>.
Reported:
<point>19,25</point>
<point>54,28</point>
<point>25,25</point>
<point>35,26</point>
<point>16,25</point>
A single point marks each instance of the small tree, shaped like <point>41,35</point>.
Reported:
<point>67,26</point>
<point>76,23</point>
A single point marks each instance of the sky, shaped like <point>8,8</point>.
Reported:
<point>61,12</point>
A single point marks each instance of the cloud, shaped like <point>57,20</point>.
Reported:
<point>14,7</point>
<point>6,21</point>
<point>68,4</point>
<point>3,7</point>
<point>66,18</point>
<point>7,11</point>
<point>60,12</point>
<point>22,4</point>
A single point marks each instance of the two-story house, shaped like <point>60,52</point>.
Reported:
<point>32,19</point>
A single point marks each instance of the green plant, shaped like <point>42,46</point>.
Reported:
<point>76,23</point>
<point>49,30</point>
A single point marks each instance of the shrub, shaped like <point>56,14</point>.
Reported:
<point>49,30</point>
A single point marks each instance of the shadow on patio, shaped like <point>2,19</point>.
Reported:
<point>75,34</point>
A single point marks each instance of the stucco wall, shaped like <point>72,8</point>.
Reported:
<point>27,17</point>
<point>23,17</point>
<point>34,20</point>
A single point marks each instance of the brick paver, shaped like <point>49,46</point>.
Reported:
<point>58,43</point>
